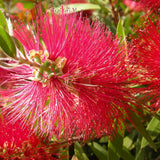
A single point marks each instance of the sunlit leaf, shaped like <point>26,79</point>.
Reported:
<point>112,154</point>
<point>7,44</point>
<point>140,155</point>
<point>153,129</point>
<point>125,154</point>
<point>128,141</point>
<point>79,153</point>
<point>99,151</point>
<point>19,46</point>
<point>120,31</point>
<point>140,128</point>
<point>3,22</point>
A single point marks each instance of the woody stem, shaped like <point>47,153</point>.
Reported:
<point>114,12</point>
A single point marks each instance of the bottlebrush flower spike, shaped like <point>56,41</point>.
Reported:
<point>133,5</point>
<point>74,80</point>
<point>146,48</point>
<point>18,143</point>
<point>11,137</point>
<point>142,4</point>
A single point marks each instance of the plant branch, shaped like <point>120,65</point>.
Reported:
<point>114,12</point>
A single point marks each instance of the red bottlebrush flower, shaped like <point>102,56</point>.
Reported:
<point>133,5</point>
<point>138,5</point>
<point>146,46</point>
<point>11,135</point>
<point>75,79</point>
<point>17,143</point>
<point>20,6</point>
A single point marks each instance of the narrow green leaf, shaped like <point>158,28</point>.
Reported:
<point>153,129</point>
<point>7,44</point>
<point>112,154</point>
<point>120,30</point>
<point>127,25</point>
<point>140,128</point>
<point>125,154</point>
<point>117,142</point>
<point>117,148</point>
<point>3,22</point>
<point>99,151</point>
<point>19,46</point>
<point>80,154</point>
<point>140,155</point>
<point>76,7</point>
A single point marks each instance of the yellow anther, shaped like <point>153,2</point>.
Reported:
<point>60,62</point>
<point>46,54</point>
<point>34,72</point>
<point>40,52</point>
<point>32,53</point>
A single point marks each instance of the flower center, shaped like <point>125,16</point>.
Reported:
<point>47,68</point>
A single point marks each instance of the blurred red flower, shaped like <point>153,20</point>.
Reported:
<point>18,143</point>
<point>133,5</point>
<point>138,5</point>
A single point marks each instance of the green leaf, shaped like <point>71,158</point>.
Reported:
<point>120,30</point>
<point>117,142</point>
<point>128,141</point>
<point>104,7</point>
<point>112,154</point>
<point>115,146</point>
<point>2,4</point>
<point>103,139</point>
<point>140,155</point>
<point>127,25</point>
<point>117,150</point>
<point>99,151</point>
<point>140,128</point>
<point>7,44</point>
<point>3,22</point>
<point>28,5</point>
<point>125,154</point>
<point>76,7</point>
<point>80,154</point>
<point>19,46</point>
<point>153,129</point>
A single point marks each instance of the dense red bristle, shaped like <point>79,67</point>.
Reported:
<point>146,49</point>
